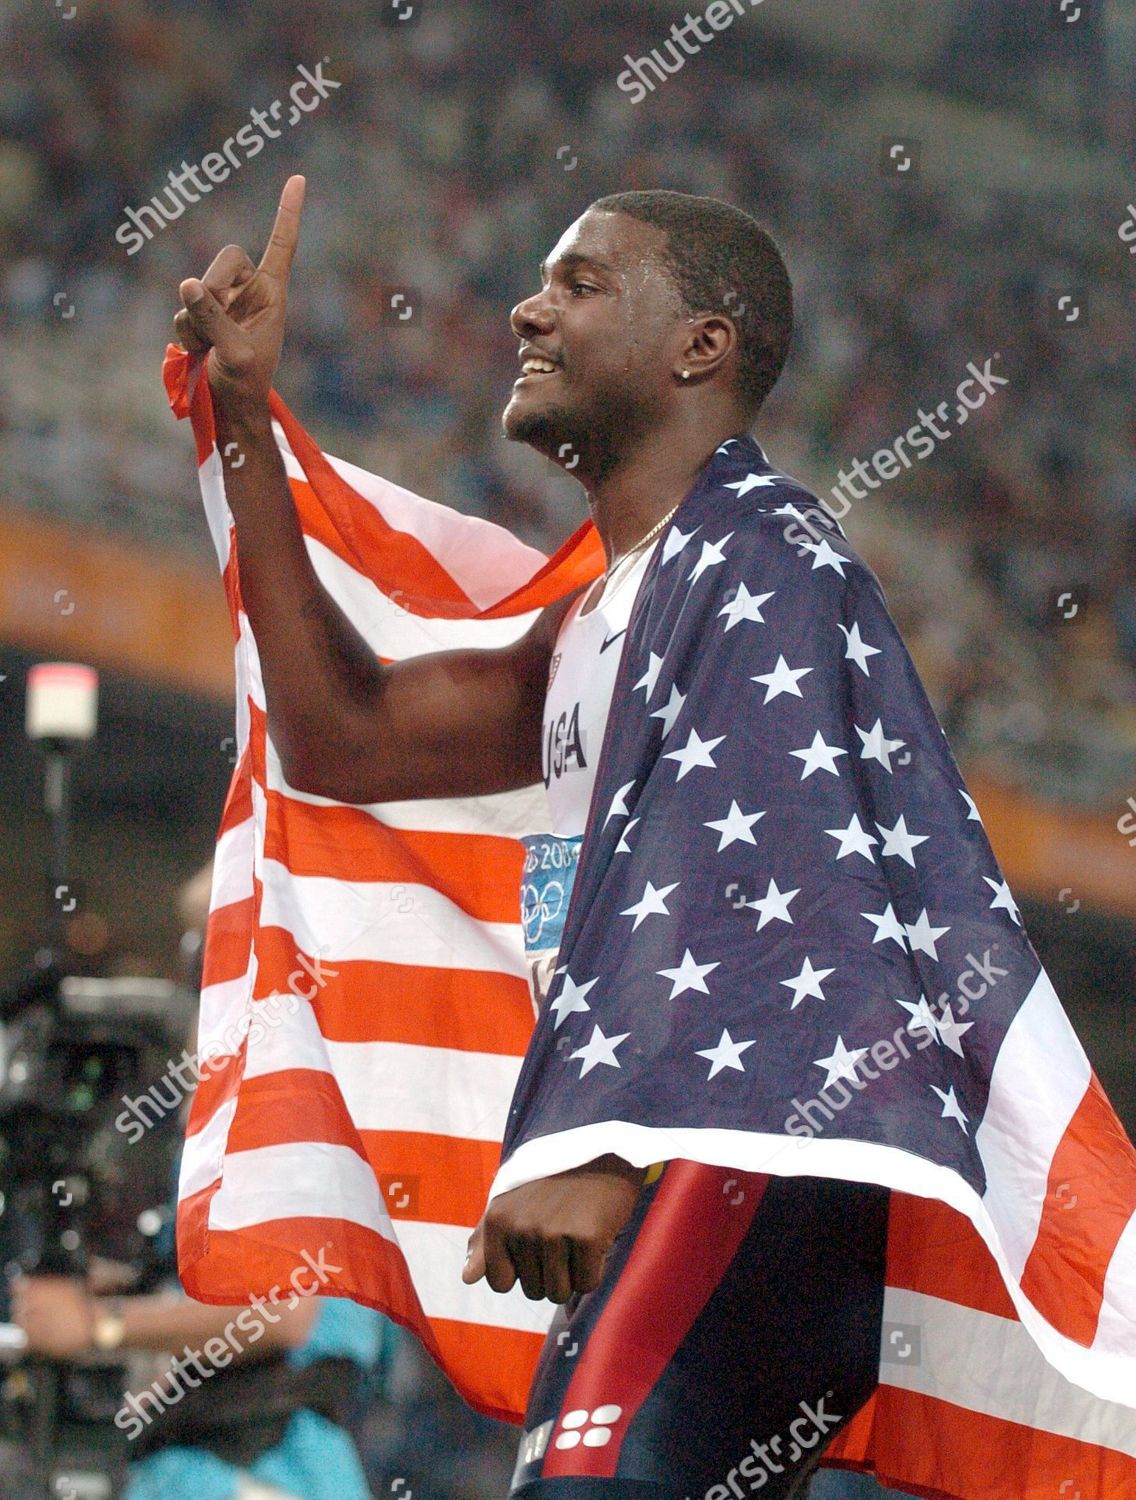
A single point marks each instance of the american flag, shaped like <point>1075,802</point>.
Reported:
<point>789,948</point>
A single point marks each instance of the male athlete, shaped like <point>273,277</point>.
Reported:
<point>737,1314</point>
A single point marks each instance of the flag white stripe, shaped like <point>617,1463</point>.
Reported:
<point>204,1151</point>
<point>232,865</point>
<point>390,629</point>
<point>1108,1374</point>
<point>217,515</point>
<point>991,1365</point>
<point>298,1180</point>
<point>435,1254</point>
<point>1115,1328</point>
<point>1039,1078</point>
<point>388,921</point>
<point>396,1086</point>
<point>499,814</point>
<point>220,1021</point>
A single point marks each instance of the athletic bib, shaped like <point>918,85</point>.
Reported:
<point>546,889</point>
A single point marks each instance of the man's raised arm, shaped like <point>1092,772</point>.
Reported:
<point>449,723</point>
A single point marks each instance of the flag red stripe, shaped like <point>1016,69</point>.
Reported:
<point>1090,1200</point>
<point>230,578</point>
<point>238,799</point>
<point>480,873</point>
<point>471,1010</point>
<point>356,531</point>
<point>368,1267</point>
<point>227,938</point>
<point>491,1367</point>
<point>933,1448</point>
<point>934,1249</point>
<point>445,1178</point>
<point>219,1083</point>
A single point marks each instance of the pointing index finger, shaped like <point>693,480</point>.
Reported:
<point>277,258</point>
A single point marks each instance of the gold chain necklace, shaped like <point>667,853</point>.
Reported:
<point>654,531</point>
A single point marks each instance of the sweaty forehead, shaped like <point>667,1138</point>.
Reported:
<point>611,242</point>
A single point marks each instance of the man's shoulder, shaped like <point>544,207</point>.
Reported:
<point>757,516</point>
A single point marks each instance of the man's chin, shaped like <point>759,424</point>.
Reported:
<point>545,430</point>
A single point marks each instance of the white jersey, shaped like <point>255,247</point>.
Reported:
<point>581,677</point>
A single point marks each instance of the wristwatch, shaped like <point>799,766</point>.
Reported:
<point>108,1328</point>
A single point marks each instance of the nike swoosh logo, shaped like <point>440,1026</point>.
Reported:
<point>612,638</point>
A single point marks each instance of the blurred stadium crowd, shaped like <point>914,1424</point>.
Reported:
<point>461,142</point>
<point>453,154</point>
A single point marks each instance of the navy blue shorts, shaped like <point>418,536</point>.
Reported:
<point>735,1332</point>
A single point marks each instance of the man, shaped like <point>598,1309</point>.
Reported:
<point>736,1313</point>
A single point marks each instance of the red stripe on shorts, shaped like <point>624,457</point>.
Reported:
<point>689,1236</point>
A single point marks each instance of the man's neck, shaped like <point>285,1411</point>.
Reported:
<point>645,485</point>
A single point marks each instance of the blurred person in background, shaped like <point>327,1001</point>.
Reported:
<point>267,1424</point>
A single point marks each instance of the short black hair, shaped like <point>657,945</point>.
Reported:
<point>723,261</point>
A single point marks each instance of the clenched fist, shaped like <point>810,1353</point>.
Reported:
<point>553,1235</point>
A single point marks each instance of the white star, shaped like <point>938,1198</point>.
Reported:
<point>807,982</point>
<point>570,998</point>
<point>669,712</point>
<point>922,1017</point>
<point>651,903</point>
<point>972,816</point>
<point>808,520</point>
<point>735,826</point>
<point>726,1054</point>
<point>876,746</point>
<point>842,1063</point>
<point>950,1031</point>
<point>854,840</point>
<point>688,976</point>
<point>774,905</point>
<point>753,482</point>
<point>623,847</point>
<point>818,756</point>
<point>745,606</point>
<point>712,555</point>
<point>1003,898</point>
<point>899,842</point>
<point>619,806</point>
<point>824,556</point>
<point>888,925</point>
<point>675,542</point>
<point>599,1049</point>
<point>650,676</point>
<point>922,936</point>
<point>696,752</point>
<point>952,1109</point>
<point>783,679</point>
<point>858,650</point>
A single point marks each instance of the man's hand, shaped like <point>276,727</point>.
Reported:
<point>235,312</point>
<point>56,1313</point>
<point>553,1235</point>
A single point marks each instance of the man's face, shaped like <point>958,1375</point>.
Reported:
<point>609,318</point>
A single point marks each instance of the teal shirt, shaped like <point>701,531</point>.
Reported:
<point>315,1460</point>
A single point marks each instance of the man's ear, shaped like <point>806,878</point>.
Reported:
<point>711,341</point>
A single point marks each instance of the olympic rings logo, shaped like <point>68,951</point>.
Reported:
<point>540,906</point>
